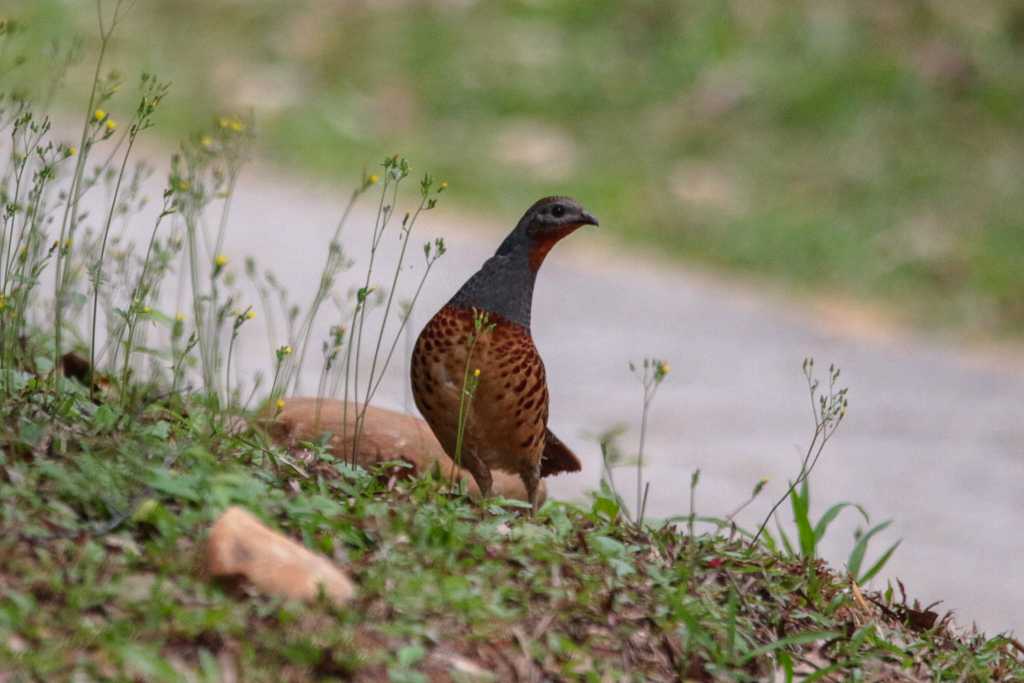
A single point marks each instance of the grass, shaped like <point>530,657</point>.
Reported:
<point>864,148</point>
<point>113,468</point>
<point>104,510</point>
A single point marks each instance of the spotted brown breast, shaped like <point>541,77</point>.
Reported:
<point>506,421</point>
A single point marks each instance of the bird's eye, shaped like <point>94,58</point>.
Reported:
<point>558,211</point>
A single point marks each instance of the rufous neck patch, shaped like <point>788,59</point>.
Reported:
<point>540,246</point>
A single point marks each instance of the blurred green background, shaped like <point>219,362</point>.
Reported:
<point>868,148</point>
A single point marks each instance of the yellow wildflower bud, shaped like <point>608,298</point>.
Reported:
<point>287,350</point>
<point>72,151</point>
<point>99,114</point>
<point>443,186</point>
<point>206,141</point>
<point>3,302</point>
<point>220,261</point>
<point>111,125</point>
<point>373,179</point>
<point>280,404</point>
<point>180,317</point>
<point>476,373</point>
<point>250,314</point>
<point>147,309</point>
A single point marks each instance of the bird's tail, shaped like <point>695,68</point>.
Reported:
<point>557,457</point>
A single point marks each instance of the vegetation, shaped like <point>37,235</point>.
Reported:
<point>869,148</point>
<point>103,512</point>
<point>113,468</point>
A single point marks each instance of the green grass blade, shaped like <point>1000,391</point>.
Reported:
<point>784,537</point>
<point>801,503</point>
<point>830,516</point>
<point>877,566</point>
<point>821,673</point>
<point>861,547</point>
<point>795,639</point>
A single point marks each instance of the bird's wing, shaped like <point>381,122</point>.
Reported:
<point>557,457</point>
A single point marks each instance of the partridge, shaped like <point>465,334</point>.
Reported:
<point>506,418</point>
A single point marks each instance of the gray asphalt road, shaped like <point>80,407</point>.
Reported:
<point>934,438</point>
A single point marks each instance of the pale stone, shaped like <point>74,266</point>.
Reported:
<point>241,545</point>
<point>386,435</point>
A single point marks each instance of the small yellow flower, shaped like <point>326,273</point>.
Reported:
<point>72,151</point>
<point>231,123</point>
<point>664,368</point>
<point>286,350</point>
<point>180,318</point>
<point>250,314</point>
<point>476,373</point>
<point>206,141</point>
<point>280,404</point>
<point>111,125</point>
<point>443,186</point>
<point>3,302</point>
<point>147,309</point>
<point>220,261</point>
<point>99,114</point>
<point>67,244</point>
<point>373,179</point>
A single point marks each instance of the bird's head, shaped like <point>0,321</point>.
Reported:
<point>548,221</point>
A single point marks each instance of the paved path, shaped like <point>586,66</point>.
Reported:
<point>934,437</point>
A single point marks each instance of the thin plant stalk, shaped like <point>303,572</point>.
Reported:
<point>828,411</point>
<point>127,330</point>
<point>326,281</point>
<point>75,190</point>
<point>654,372</point>
<point>470,382</point>
<point>378,234</point>
<point>374,380</point>
<point>431,259</point>
<point>240,319</point>
<point>361,297</point>
<point>98,273</point>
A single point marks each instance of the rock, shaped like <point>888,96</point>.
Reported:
<point>387,435</point>
<point>241,545</point>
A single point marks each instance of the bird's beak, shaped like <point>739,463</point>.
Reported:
<point>588,219</point>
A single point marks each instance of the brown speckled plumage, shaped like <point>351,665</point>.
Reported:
<point>506,424</point>
<point>508,416</point>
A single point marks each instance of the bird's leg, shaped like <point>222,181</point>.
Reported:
<point>531,480</point>
<point>479,469</point>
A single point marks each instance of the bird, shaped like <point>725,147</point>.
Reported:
<point>483,332</point>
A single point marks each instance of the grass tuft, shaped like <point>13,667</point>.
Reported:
<point>104,510</point>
